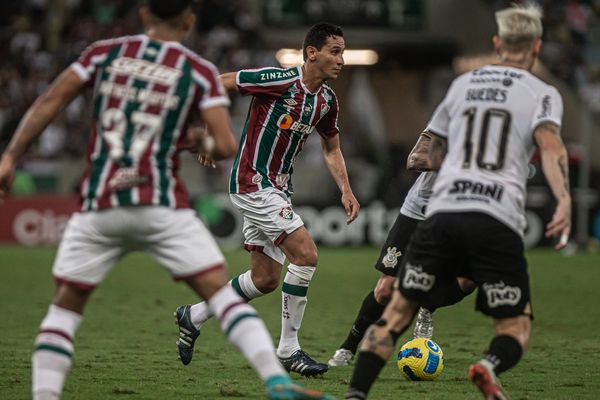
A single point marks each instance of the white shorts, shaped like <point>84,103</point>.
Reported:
<point>268,219</point>
<point>94,241</point>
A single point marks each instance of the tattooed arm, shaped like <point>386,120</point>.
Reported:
<point>556,169</point>
<point>428,153</point>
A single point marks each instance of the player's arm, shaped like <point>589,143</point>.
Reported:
<point>428,153</point>
<point>60,93</point>
<point>556,169</point>
<point>334,160</point>
<point>229,81</point>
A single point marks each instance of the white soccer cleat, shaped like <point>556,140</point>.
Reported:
<point>342,357</point>
<point>424,324</point>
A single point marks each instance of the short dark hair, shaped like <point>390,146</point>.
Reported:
<point>165,9</point>
<point>317,36</point>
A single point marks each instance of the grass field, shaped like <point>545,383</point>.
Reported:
<point>125,348</point>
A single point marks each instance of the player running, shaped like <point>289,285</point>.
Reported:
<point>490,120</point>
<point>287,106</point>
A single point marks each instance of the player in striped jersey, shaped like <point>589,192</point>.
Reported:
<point>490,121</point>
<point>287,106</point>
<point>147,89</point>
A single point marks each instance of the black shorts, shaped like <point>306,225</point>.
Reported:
<point>470,244</point>
<point>395,245</point>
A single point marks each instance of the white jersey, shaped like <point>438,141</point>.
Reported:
<point>418,196</point>
<point>488,117</point>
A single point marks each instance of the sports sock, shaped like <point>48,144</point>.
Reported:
<point>51,358</point>
<point>293,304</point>
<point>367,367</point>
<point>369,312</point>
<point>504,353</point>
<point>246,331</point>
<point>244,287</point>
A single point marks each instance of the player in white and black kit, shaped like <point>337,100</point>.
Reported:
<point>411,213</point>
<point>490,120</point>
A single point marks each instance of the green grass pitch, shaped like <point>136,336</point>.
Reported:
<point>125,348</point>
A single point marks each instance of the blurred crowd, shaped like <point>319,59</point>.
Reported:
<point>38,38</point>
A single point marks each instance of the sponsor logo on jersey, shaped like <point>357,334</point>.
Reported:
<point>145,70</point>
<point>546,107</point>
<point>390,260</point>
<point>500,294</point>
<point>287,122</point>
<point>497,72</point>
<point>256,179</point>
<point>286,213</point>
<point>126,178</point>
<point>487,94</point>
<point>293,90</point>
<point>415,278</point>
<point>266,76</point>
<point>290,102</point>
<point>326,96</point>
<point>476,190</point>
<point>308,109</point>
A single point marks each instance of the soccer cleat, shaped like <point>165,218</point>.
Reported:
<point>187,334</point>
<point>486,381</point>
<point>424,324</point>
<point>340,358</point>
<point>282,388</point>
<point>301,363</point>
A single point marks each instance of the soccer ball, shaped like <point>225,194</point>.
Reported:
<point>421,360</point>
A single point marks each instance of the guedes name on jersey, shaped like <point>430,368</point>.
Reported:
<point>463,186</point>
<point>487,94</point>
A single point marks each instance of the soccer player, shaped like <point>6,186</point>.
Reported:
<point>287,106</point>
<point>491,119</point>
<point>146,90</point>
<point>411,213</point>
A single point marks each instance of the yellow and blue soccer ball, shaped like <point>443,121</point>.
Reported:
<point>421,360</point>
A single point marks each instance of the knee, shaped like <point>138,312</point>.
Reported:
<point>266,283</point>
<point>305,257</point>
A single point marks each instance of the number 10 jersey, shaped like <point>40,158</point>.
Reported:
<point>488,117</point>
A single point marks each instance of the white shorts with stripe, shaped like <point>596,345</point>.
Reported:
<point>268,219</point>
<point>93,242</point>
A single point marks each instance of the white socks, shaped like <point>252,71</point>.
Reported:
<point>244,287</point>
<point>51,359</point>
<point>246,331</point>
<point>293,304</point>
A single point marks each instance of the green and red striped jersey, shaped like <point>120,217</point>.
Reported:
<point>145,93</point>
<point>282,114</point>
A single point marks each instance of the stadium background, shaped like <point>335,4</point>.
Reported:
<point>420,46</point>
<point>125,348</point>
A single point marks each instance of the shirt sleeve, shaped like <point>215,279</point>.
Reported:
<point>328,126</point>
<point>440,120</point>
<point>549,108</point>
<point>87,64</point>
<point>212,92</point>
<point>268,81</point>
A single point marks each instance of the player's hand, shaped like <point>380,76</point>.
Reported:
<point>7,175</point>
<point>206,161</point>
<point>560,224</point>
<point>351,206</point>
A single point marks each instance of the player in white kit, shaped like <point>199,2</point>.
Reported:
<point>490,122</point>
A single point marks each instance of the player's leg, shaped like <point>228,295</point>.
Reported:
<point>83,259</point>
<point>301,251</point>
<point>499,267</point>
<point>379,344</point>
<point>370,311</point>
<point>192,255</point>
<point>374,303</point>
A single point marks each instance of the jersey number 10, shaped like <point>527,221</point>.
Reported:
<point>505,119</point>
